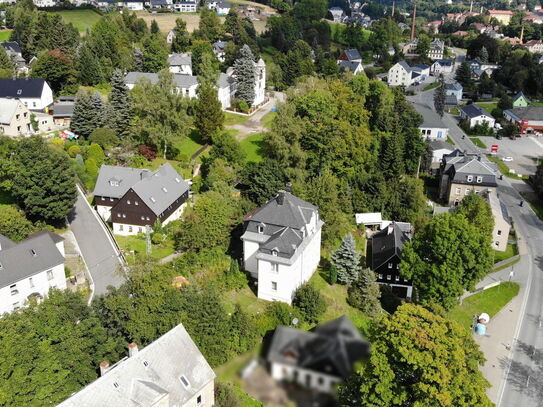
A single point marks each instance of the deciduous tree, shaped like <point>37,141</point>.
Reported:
<point>310,303</point>
<point>181,40</point>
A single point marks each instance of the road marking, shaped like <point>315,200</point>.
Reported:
<point>536,141</point>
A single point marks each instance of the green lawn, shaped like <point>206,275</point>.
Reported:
<point>190,145</point>
<point>138,245</point>
<point>510,251</point>
<point>490,301</point>
<point>4,35</point>
<point>267,120</point>
<point>231,119</point>
<point>477,141</point>
<point>454,111</point>
<point>489,107</point>
<point>81,19</point>
<point>450,140</point>
<point>537,208</point>
<point>431,86</point>
<point>506,265</point>
<point>252,146</point>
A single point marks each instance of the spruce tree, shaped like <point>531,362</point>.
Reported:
<point>364,293</point>
<point>120,105</point>
<point>209,117</point>
<point>483,54</point>
<point>346,261</point>
<point>391,162</point>
<point>245,71</point>
<point>439,97</point>
<point>154,27</point>
<point>90,72</point>
<point>88,113</point>
<point>6,65</point>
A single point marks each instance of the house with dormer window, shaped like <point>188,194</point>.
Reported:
<point>281,245</point>
<point>134,198</point>
<point>461,174</point>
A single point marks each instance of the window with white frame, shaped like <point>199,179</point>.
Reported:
<point>389,265</point>
<point>13,289</point>
<point>470,178</point>
<point>49,274</point>
<point>458,191</point>
<point>260,229</point>
<point>274,286</point>
<point>499,232</point>
<point>389,277</point>
<point>468,190</point>
<point>380,276</point>
<point>479,179</point>
<point>275,267</point>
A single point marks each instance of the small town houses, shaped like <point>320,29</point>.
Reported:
<point>132,199</point>
<point>281,245</point>
<point>34,93</point>
<point>475,115</point>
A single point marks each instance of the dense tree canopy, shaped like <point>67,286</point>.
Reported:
<point>418,358</point>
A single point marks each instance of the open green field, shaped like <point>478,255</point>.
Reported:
<point>268,119</point>
<point>431,86</point>
<point>252,146</point>
<point>490,301</point>
<point>138,245</point>
<point>4,35</point>
<point>190,144</point>
<point>81,19</point>
<point>231,119</point>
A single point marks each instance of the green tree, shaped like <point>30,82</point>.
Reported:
<point>423,46</point>
<point>309,302</point>
<point>463,75</point>
<point>95,152</point>
<point>346,261</point>
<point>483,54</point>
<point>199,49</point>
<point>154,27</point>
<point>477,211</point>
<point>235,279</point>
<point>308,11</point>
<point>209,27</point>
<point>13,223</point>
<point>226,146</point>
<point>57,68</point>
<point>181,41</point>
<point>105,137</point>
<point>505,102</point>
<point>245,71</point>
<point>155,53</point>
<point>89,112</point>
<point>262,180</point>
<point>44,181</point>
<point>208,115</point>
<point>6,64</point>
<point>448,255</point>
<point>121,114</point>
<point>364,293</point>
<point>392,163</point>
<point>418,358</point>
<point>439,97</point>
<point>90,72</point>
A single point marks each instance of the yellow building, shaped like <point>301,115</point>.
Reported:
<point>503,16</point>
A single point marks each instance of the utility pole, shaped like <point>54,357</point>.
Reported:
<point>414,21</point>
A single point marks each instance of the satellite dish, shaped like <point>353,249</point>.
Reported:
<point>295,321</point>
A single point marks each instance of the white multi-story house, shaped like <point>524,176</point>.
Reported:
<point>476,115</point>
<point>133,5</point>
<point>35,93</point>
<point>432,127</point>
<point>180,63</point>
<point>185,6</point>
<point>185,85</point>
<point>14,118</point>
<point>133,198</point>
<point>169,372</point>
<point>437,50</point>
<point>401,74</point>
<point>441,66</point>
<point>28,269</point>
<point>260,84</point>
<point>320,359</point>
<point>534,46</point>
<point>281,245</point>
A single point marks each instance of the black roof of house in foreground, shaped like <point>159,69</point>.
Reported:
<point>331,348</point>
<point>21,88</point>
<point>386,243</point>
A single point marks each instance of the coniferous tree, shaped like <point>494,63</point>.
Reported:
<point>154,27</point>
<point>209,117</point>
<point>181,40</point>
<point>88,113</point>
<point>245,71</point>
<point>439,97</point>
<point>310,302</point>
<point>90,72</point>
<point>392,161</point>
<point>483,54</point>
<point>364,293</point>
<point>6,65</point>
<point>463,74</point>
<point>138,59</point>
<point>120,105</point>
<point>346,261</point>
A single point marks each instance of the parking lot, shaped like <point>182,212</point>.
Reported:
<point>525,152</point>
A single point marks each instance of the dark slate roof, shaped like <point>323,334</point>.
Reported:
<point>349,65</point>
<point>331,348</point>
<point>11,46</point>
<point>519,95</point>
<point>182,81</point>
<point>430,119</point>
<point>180,59</point>
<point>528,112</point>
<point>63,109</point>
<point>31,256</point>
<point>284,210</point>
<point>459,166</point>
<point>453,86</point>
<point>421,66</point>
<point>474,111</point>
<point>451,100</point>
<point>285,241</point>
<point>405,65</point>
<point>125,177</point>
<point>352,54</point>
<point>21,88</point>
<point>386,243</point>
<point>444,62</point>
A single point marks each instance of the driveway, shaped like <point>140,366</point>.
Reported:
<point>524,150</point>
<point>96,246</point>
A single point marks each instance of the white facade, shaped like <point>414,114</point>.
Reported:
<point>437,50</point>
<point>535,47</point>
<point>307,378</point>
<point>46,99</point>
<point>399,75</point>
<point>434,133</point>
<point>260,83</point>
<point>170,36</point>
<point>185,7</point>
<point>437,68</point>
<point>45,122</point>
<point>473,121</point>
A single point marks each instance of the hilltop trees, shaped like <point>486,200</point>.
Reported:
<point>43,180</point>
<point>418,358</point>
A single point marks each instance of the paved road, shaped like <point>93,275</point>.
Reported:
<point>96,247</point>
<point>522,381</point>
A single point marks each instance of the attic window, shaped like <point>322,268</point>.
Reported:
<point>164,189</point>
<point>116,385</point>
<point>479,179</point>
<point>184,381</point>
<point>19,91</point>
<point>260,229</point>
<point>153,200</point>
<point>470,178</point>
<point>274,252</point>
<point>145,363</point>
<point>113,182</point>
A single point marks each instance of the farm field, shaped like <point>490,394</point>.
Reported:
<point>81,19</point>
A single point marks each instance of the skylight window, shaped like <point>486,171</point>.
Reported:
<point>34,253</point>
<point>164,189</point>
<point>177,180</point>
<point>153,200</point>
<point>184,381</point>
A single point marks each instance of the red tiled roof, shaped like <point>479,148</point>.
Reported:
<point>504,12</point>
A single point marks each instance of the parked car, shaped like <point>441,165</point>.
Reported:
<point>507,159</point>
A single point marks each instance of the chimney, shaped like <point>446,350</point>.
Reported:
<point>471,6</point>
<point>144,174</point>
<point>289,187</point>
<point>281,198</point>
<point>414,22</point>
<point>104,367</point>
<point>522,34</point>
<point>479,157</point>
<point>132,349</point>
<point>390,228</point>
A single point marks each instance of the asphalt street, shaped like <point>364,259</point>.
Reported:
<point>99,253</point>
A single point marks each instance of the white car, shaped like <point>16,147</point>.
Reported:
<point>507,159</point>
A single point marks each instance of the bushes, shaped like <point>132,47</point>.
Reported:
<point>148,152</point>
<point>309,302</point>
